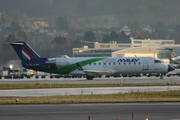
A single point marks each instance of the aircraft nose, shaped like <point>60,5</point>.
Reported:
<point>170,68</point>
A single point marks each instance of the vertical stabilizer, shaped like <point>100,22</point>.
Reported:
<point>24,51</point>
<point>172,53</point>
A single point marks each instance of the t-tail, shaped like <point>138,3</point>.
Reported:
<point>172,53</point>
<point>25,52</point>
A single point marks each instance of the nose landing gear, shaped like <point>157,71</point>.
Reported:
<point>161,76</point>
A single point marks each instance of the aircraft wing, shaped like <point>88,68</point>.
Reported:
<point>93,72</point>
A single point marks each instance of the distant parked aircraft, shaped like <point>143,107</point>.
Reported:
<point>174,57</point>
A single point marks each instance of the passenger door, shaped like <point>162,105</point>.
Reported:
<point>145,65</point>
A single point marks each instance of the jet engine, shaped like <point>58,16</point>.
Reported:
<point>62,62</point>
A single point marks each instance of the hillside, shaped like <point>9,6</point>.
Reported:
<point>146,12</point>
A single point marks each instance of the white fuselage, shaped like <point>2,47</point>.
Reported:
<point>176,59</point>
<point>117,65</point>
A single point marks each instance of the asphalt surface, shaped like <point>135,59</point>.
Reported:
<point>107,111</point>
<point>114,111</point>
<point>94,90</point>
<point>48,80</point>
<point>81,91</point>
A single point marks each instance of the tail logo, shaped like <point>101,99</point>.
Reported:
<point>26,55</point>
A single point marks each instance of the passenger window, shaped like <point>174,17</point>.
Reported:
<point>90,64</point>
<point>99,63</point>
<point>119,63</point>
<point>114,63</point>
<point>94,63</point>
<point>104,63</point>
<point>124,63</point>
<point>139,63</point>
<point>134,63</point>
<point>109,63</point>
<point>129,63</point>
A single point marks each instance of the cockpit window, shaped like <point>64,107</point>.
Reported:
<point>157,61</point>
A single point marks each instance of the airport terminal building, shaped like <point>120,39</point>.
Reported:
<point>129,48</point>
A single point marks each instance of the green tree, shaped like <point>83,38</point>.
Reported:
<point>106,38</point>
<point>161,29</point>
<point>59,41</point>
<point>114,35</point>
<point>2,21</point>
<point>89,36</point>
<point>177,28</point>
<point>15,26</point>
<point>21,35</point>
<point>10,38</point>
<point>62,23</point>
<point>123,36</point>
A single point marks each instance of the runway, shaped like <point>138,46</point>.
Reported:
<point>86,91</point>
<point>48,80</point>
<point>107,111</point>
<point>124,111</point>
<point>81,91</point>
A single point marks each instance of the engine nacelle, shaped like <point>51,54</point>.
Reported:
<point>62,62</point>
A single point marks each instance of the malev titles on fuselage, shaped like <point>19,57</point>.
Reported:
<point>128,60</point>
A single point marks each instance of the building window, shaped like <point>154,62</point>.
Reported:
<point>104,46</point>
<point>119,55</point>
<point>138,42</point>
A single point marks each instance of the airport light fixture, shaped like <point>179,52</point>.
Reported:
<point>11,66</point>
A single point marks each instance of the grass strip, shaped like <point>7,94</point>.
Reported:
<point>165,96</point>
<point>37,85</point>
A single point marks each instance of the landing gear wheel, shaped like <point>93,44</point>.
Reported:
<point>89,77</point>
<point>161,76</point>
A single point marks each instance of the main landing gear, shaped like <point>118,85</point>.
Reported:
<point>89,77</point>
<point>161,76</point>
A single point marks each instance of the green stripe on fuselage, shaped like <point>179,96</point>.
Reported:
<point>72,67</point>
